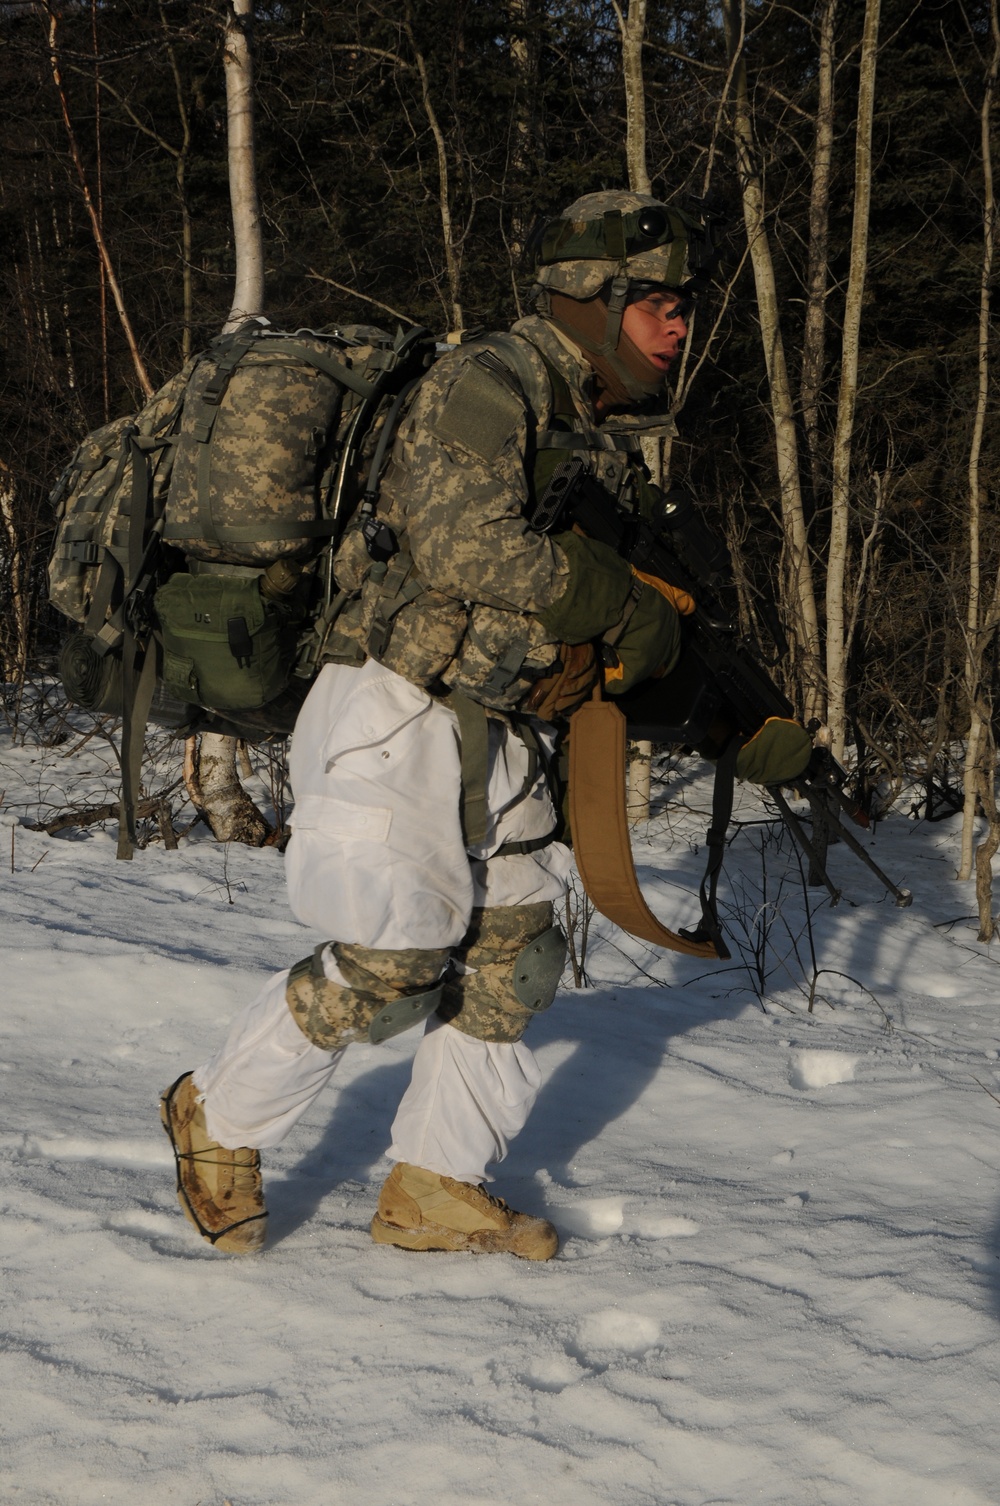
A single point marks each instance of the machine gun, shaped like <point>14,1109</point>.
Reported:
<point>719,694</point>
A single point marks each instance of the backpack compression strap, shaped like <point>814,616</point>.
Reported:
<point>138,660</point>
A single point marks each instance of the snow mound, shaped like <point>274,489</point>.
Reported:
<point>630,1333</point>
<point>820,1069</point>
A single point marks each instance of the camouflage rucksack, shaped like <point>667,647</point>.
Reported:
<point>194,542</point>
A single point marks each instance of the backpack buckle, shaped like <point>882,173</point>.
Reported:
<point>83,552</point>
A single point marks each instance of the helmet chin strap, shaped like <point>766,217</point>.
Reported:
<point>617,300</point>
<point>596,327</point>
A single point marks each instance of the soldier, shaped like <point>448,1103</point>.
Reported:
<point>424,837</point>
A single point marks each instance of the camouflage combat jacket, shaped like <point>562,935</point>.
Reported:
<point>457,608</point>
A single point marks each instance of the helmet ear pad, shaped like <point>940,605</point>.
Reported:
<point>625,374</point>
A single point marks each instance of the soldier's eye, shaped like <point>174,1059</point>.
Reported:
<point>663,306</point>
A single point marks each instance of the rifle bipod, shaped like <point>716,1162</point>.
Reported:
<point>827,823</point>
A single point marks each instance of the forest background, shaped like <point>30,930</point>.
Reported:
<point>835,407</point>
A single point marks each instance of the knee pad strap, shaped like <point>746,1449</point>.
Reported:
<point>393,1019</point>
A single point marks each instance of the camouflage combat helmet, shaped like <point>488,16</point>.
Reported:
<point>604,236</point>
<point>613,241</point>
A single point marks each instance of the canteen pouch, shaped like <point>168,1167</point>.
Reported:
<point>224,646</point>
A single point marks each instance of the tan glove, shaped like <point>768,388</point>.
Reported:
<point>682,603</point>
<point>648,643</point>
<point>569,684</point>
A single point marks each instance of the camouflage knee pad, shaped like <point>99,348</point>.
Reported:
<point>388,992</point>
<point>518,956</point>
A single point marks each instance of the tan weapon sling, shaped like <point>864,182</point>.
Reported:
<point>599,822</point>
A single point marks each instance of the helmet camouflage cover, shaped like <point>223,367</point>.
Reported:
<point>614,234</point>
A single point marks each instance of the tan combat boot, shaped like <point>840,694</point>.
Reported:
<point>220,1190</point>
<point>420,1210</point>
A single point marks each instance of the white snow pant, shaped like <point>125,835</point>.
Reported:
<point>377,859</point>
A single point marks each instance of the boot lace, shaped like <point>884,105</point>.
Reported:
<point>496,1202</point>
<point>244,1172</point>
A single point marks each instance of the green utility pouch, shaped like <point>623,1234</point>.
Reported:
<point>777,753</point>
<point>224,646</point>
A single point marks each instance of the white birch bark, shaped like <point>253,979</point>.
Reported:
<point>802,600</point>
<point>248,294</point>
<point>633,30</point>
<point>15,638</point>
<point>817,275</point>
<point>980,631</point>
<point>836,569</point>
<point>224,803</point>
<point>640,773</point>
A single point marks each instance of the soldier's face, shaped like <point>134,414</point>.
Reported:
<point>656,326</point>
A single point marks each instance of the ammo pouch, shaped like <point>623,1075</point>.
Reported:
<point>224,645</point>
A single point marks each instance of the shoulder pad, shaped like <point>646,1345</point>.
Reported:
<point>482,410</point>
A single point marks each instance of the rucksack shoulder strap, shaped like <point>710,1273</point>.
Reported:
<point>558,424</point>
<point>339,371</point>
<point>512,356</point>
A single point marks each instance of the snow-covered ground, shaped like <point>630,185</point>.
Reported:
<point>779,1281</point>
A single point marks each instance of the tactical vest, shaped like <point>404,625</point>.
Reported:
<point>430,637</point>
<point>615,459</point>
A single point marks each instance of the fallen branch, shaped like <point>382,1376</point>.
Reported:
<point>90,815</point>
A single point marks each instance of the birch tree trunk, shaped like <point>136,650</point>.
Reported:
<point>16,631</point>
<point>801,594</point>
<point>979,633</point>
<point>633,29</point>
<point>817,275</point>
<point>212,776</point>
<point>248,295</point>
<point>526,146</point>
<point>452,258</point>
<point>836,569</point>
